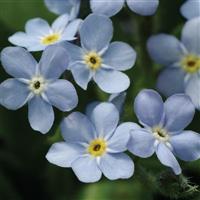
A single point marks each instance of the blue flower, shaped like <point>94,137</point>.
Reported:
<point>38,34</point>
<point>182,61</point>
<point>191,9</point>
<point>37,84</point>
<point>112,7</point>
<point>98,59</point>
<point>94,145</point>
<point>163,131</point>
<point>60,7</point>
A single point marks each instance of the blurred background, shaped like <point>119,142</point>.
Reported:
<point>25,174</point>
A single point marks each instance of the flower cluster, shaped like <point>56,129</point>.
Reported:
<point>96,142</point>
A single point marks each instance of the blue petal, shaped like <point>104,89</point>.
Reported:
<point>91,38</point>
<point>143,7</point>
<point>118,100</point>
<point>171,81</point>
<point>141,143</point>
<point>191,36</point>
<point>179,112</point>
<point>60,23</point>
<point>186,145</point>
<point>40,115</point>
<point>37,27</point>
<point>108,8</point>
<point>82,75</point>
<point>118,141</point>
<point>54,62</point>
<point>149,107</point>
<point>86,169</point>
<point>62,94</point>
<point>111,81</point>
<point>77,128</point>
<point>119,56</point>
<point>167,158</point>
<point>63,154</point>
<point>165,49</point>
<point>18,62</point>
<point>105,118</point>
<point>192,89</point>
<point>90,107</point>
<point>190,9</point>
<point>14,94</point>
<point>117,166</point>
<point>64,6</point>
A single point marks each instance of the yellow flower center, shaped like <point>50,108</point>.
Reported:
<point>51,39</point>
<point>97,147</point>
<point>37,85</point>
<point>160,133</point>
<point>93,60</point>
<point>191,63</point>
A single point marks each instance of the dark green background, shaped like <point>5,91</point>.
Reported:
<point>25,174</point>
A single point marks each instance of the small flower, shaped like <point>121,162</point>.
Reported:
<point>163,131</point>
<point>94,145</point>
<point>112,7</point>
<point>37,84</point>
<point>38,34</point>
<point>98,59</point>
<point>182,61</point>
<point>60,7</point>
<point>191,9</point>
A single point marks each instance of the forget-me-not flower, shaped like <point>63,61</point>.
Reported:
<point>98,59</point>
<point>182,61</point>
<point>38,34</point>
<point>94,145</point>
<point>37,84</point>
<point>191,9</point>
<point>60,7</point>
<point>163,131</point>
<point>112,7</point>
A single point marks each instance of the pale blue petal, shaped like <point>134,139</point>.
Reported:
<point>18,62</point>
<point>71,30</point>
<point>90,107</point>
<point>63,154</point>
<point>167,158</point>
<point>191,36</point>
<point>190,9</point>
<point>36,47</point>
<point>60,23</point>
<point>171,81</point>
<point>105,118</point>
<point>14,94</point>
<point>86,169</point>
<point>37,27</point>
<point>77,128</point>
<point>141,143</point>
<point>143,7</point>
<point>91,38</point>
<point>108,8</point>
<point>118,141</point>
<point>149,107</point>
<point>23,40</point>
<point>165,49</point>
<point>54,62</point>
<point>192,89</point>
<point>40,114</point>
<point>111,81</point>
<point>82,75</point>
<point>64,6</point>
<point>186,145</point>
<point>119,56</point>
<point>118,100</point>
<point>62,94</point>
<point>117,166</point>
<point>179,112</point>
